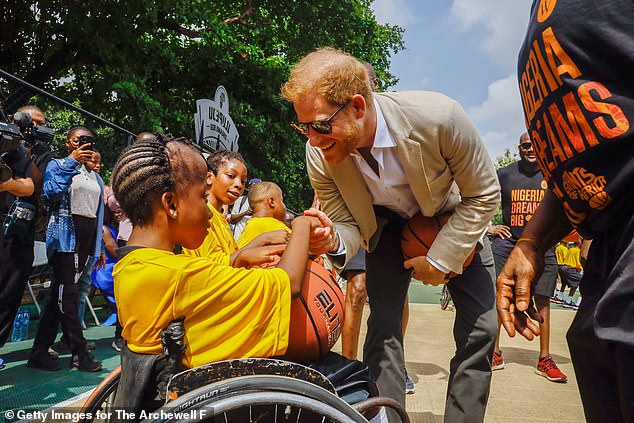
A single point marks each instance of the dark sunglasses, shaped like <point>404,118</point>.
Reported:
<point>321,126</point>
<point>526,145</point>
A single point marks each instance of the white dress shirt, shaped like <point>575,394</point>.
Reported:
<point>390,187</point>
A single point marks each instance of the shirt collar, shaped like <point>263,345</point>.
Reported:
<point>382,137</point>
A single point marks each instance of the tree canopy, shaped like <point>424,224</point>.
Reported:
<point>142,64</point>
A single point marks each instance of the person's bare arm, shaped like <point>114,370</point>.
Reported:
<point>584,250</point>
<point>256,256</point>
<point>110,242</point>
<point>295,257</point>
<point>281,236</point>
<point>525,265</point>
<point>233,218</point>
<point>18,187</point>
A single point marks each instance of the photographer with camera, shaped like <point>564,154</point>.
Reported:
<point>16,214</point>
<point>74,195</point>
<point>38,138</point>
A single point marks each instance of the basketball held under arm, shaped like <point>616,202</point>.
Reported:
<point>471,168</point>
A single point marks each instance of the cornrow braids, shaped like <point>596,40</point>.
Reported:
<point>219,157</point>
<point>147,169</point>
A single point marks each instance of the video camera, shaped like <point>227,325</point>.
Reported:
<point>13,131</point>
<point>10,139</point>
<point>32,133</point>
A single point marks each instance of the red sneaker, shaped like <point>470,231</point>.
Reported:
<point>546,367</point>
<point>497,362</point>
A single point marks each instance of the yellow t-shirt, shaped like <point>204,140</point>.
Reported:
<point>219,243</point>
<point>561,252</point>
<point>573,258</point>
<point>259,225</point>
<point>229,313</point>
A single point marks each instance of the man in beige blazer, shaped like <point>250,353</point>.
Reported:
<point>375,160</point>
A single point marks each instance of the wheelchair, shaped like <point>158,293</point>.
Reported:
<point>242,390</point>
<point>267,390</point>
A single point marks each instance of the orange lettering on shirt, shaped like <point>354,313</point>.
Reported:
<point>559,61</point>
<point>619,124</point>
<point>536,87</point>
<point>553,142</point>
<point>550,79</point>
<point>529,111</point>
<point>540,146</point>
<point>569,130</point>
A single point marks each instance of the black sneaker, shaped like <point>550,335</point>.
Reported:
<point>62,346</point>
<point>43,361</point>
<point>85,362</point>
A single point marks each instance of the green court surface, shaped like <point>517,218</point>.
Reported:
<point>24,388</point>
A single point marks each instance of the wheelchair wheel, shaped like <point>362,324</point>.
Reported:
<point>259,399</point>
<point>102,398</point>
<point>445,297</point>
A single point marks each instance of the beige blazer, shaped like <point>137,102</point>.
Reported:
<point>446,164</point>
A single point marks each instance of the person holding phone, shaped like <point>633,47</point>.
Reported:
<point>74,196</point>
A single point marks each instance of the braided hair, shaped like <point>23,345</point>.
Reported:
<point>219,157</point>
<point>147,169</point>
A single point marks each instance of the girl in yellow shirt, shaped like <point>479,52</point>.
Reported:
<point>226,179</point>
<point>228,312</point>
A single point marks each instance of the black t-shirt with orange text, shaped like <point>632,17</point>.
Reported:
<point>522,190</point>
<point>575,79</point>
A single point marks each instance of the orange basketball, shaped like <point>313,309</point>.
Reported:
<point>420,232</point>
<point>316,316</point>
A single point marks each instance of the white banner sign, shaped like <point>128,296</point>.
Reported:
<point>215,129</point>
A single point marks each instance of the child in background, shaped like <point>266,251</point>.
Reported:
<point>228,312</point>
<point>269,212</point>
<point>102,278</point>
<point>95,162</point>
<point>226,178</point>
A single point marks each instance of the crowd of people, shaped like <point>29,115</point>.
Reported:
<point>374,159</point>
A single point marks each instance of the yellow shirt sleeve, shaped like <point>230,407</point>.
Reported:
<point>229,313</point>
<point>259,225</point>
<point>219,243</point>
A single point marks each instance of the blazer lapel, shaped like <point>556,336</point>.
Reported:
<point>409,152</point>
<point>411,157</point>
<point>356,196</point>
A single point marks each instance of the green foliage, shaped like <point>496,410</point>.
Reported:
<point>143,64</point>
<point>506,159</point>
